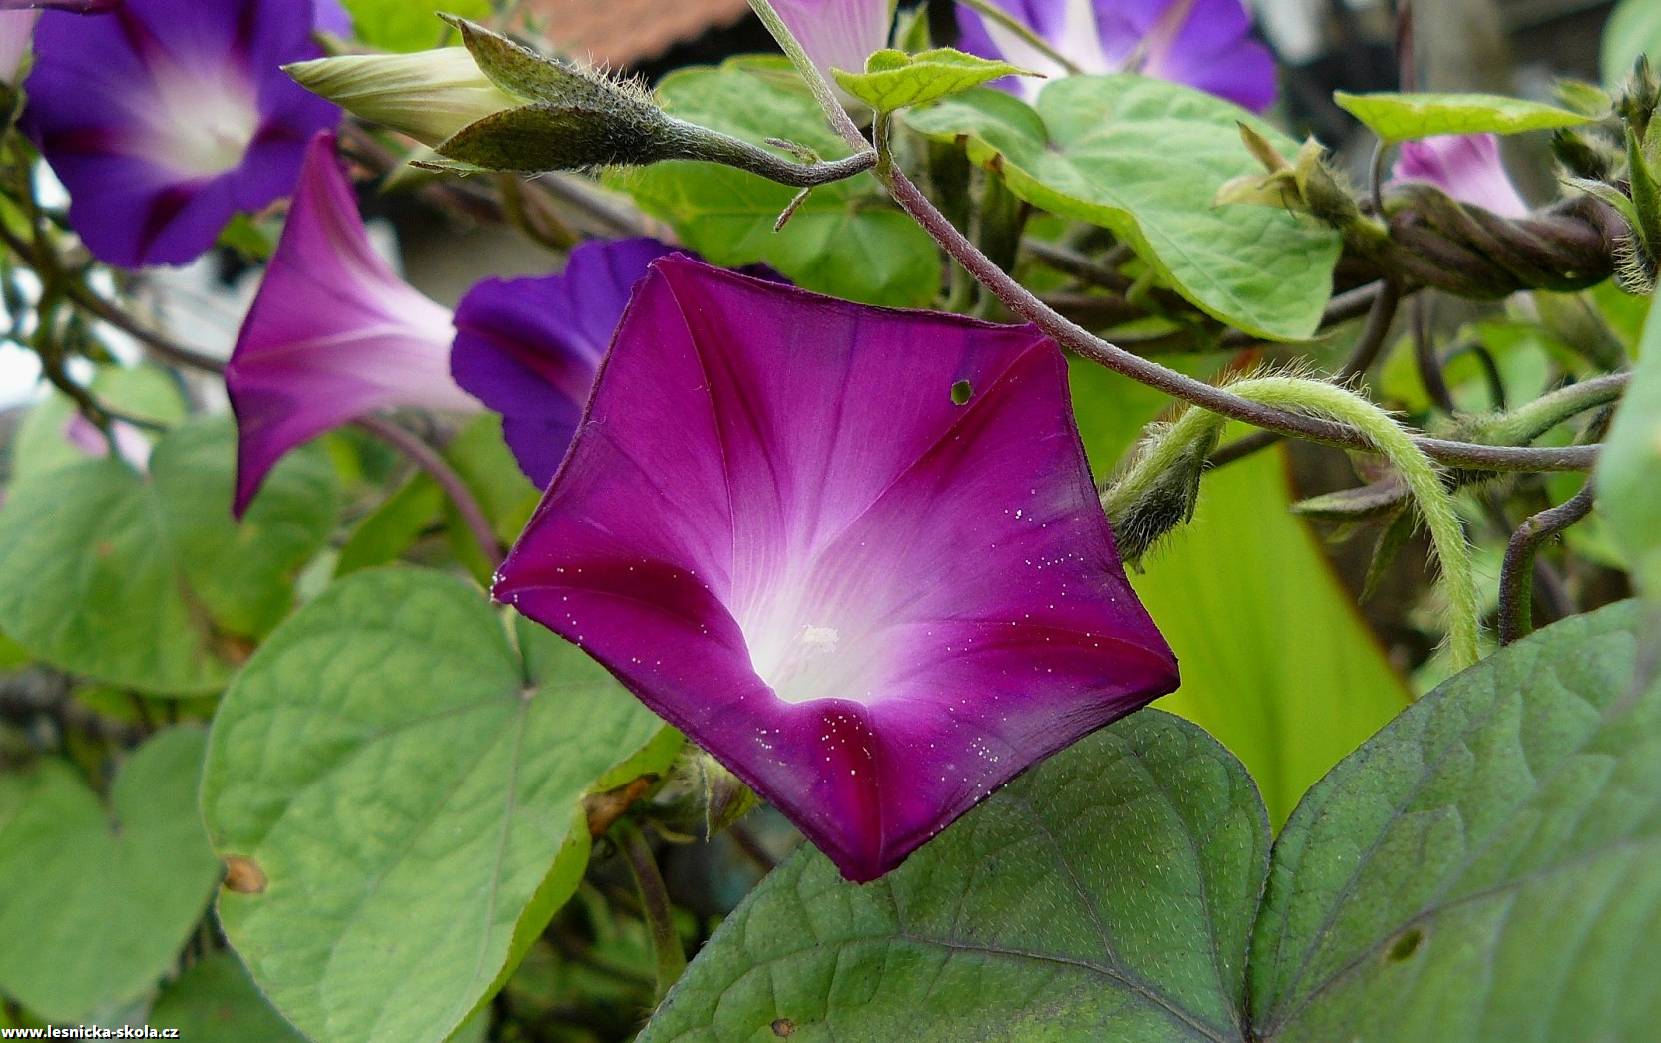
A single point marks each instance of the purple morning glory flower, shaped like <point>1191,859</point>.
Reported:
<point>1206,44</point>
<point>838,34</point>
<point>529,348</point>
<point>854,553</point>
<point>166,117</point>
<point>1467,167</point>
<point>78,6</point>
<point>333,334</point>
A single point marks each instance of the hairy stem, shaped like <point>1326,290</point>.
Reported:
<point>1384,435</point>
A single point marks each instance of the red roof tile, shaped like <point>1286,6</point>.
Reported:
<point>625,32</point>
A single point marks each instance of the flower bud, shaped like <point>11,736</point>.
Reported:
<point>429,95</point>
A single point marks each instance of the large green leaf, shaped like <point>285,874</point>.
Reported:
<point>215,1002</point>
<point>1276,661</point>
<point>1488,867</point>
<point>1105,895</point>
<point>1406,117</point>
<point>409,25</point>
<point>844,240</point>
<point>99,900</point>
<point>399,789</point>
<point>1629,470</point>
<point>1633,29</point>
<point>1145,159</point>
<point>146,581</point>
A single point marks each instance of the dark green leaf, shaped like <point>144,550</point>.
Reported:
<point>1488,867</point>
<point>1106,895</point>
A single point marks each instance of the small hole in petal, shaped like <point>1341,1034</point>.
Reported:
<point>962,392</point>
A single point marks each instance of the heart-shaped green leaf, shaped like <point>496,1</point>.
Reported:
<point>1408,117</point>
<point>1105,895</point>
<point>398,790</point>
<point>845,239</point>
<point>145,392</point>
<point>1145,159</point>
<point>1488,867</point>
<point>100,899</point>
<point>895,80</point>
<point>146,581</point>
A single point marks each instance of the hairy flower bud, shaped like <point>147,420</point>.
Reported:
<point>497,105</point>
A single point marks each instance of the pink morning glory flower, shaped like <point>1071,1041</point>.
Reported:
<point>333,333</point>
<point>529,347</point>
<point>1467,167</point>
<point>166,117</point>
<point>1206,44</point>
<point>838,34</point>
<point>856,554</point>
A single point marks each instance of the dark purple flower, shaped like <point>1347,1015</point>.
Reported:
<point>1467,167</point>
<point>778,526</point>
<point>1206,44</point>
<point>333,334</point>
<point>529,348</point>
<point>166,117</point>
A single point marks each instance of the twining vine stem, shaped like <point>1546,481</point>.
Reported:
<point>438,469</point>
<point>1516,615</point>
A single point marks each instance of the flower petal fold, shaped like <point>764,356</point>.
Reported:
<point>529,348</point>
<point>855,554</point>
<point>333,333</point>
<point>166,117</point>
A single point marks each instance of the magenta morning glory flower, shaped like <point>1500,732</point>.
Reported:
<point>838,34</point>
<point>1206,44</point>
<point>166,117</point>
<point>1467,167</point>
<point>778,526</point>
<point>333,333</point>
<point>529,348</point>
